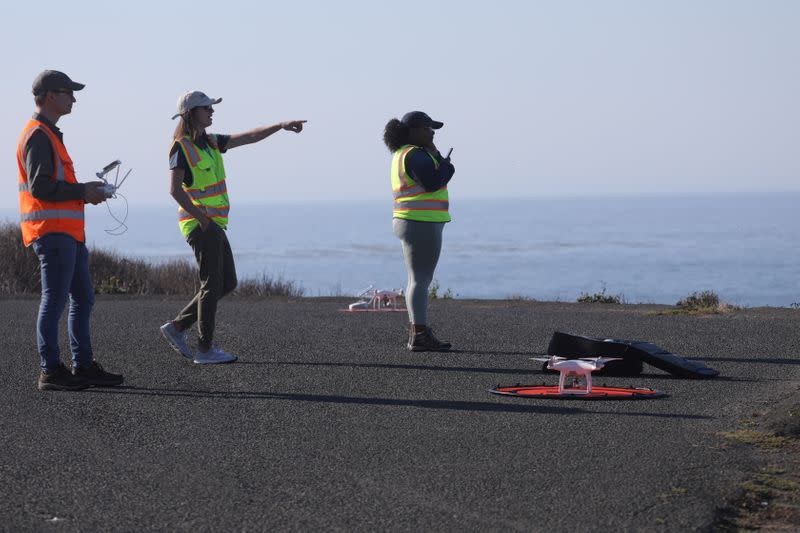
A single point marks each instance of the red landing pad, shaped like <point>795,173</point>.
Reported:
<point>371,310</point>
<point>598,393</point>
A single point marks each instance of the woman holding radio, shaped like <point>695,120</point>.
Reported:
<point>420,175</point>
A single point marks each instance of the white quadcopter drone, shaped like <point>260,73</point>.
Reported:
<point>377,300</point>
<point>576,369</point>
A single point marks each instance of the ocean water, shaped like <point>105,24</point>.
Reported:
<point>648,249</point>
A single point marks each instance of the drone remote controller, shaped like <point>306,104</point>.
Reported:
<point>108,168</point>
<point>108,190</point>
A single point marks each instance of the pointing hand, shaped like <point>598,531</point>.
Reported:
<point>293,125</point>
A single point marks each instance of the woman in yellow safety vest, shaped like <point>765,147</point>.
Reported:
<point>421,208</point>
<point>197,183</point>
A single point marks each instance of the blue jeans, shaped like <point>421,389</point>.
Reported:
<point>64,265</point>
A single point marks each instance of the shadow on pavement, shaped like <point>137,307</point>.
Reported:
<point>398,367</point>
<point>533,371</point>
<point>669,377</point>
<point>455,405</point>
<point>764,360</point>
<point>491,352</point>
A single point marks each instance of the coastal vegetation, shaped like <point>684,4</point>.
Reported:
<point>601,297</point>
<point>701,303</point>
<point>113,273</point>
<point>435,292</point>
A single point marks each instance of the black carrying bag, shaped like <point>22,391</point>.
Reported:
<point>633,354</point>
<point>576,346</point>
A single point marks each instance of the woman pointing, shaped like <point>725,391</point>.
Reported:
<point>197,183</point>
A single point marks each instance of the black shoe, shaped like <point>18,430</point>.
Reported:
<point>95,375</point>
<point>426,341</point>
<point>61,379</point>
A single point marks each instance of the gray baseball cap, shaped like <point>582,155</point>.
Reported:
<point>192,99</point>
<point>53,80</point>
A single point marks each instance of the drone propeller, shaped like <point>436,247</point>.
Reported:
<point>601,360</point>
<point>548,359</point>
<point>369,291</point>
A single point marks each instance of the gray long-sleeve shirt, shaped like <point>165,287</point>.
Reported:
<point>38,156</point>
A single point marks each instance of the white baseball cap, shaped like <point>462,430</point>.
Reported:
<point>192,99</point>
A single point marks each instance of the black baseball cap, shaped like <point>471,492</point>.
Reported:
<point>53,80</point>
<point>418,119</point>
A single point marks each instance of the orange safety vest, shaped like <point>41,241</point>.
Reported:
<point>39,217</point>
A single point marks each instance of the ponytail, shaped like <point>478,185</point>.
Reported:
<point>395,134</point>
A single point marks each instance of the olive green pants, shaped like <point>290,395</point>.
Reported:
<point>217,278</point>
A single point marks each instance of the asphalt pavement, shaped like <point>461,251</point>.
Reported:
<point>327,422</point>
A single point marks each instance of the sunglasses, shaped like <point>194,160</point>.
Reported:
<point>64,91</point>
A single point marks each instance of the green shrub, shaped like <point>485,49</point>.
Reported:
<point>700,303</point>
<point>434,294</point>
<point>699,300</point>
<point>601,297</point>
<point>704,302</point>
<point>433,290</point>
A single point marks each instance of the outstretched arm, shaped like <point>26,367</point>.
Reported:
<point>259,134</point>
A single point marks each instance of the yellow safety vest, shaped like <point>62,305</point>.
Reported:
<point>208,189</point>
<point>411,200</point>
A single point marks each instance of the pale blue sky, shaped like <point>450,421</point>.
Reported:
<point>538,97</point>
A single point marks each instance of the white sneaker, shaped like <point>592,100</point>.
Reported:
<point>214,356</point>
<point>176,339</point>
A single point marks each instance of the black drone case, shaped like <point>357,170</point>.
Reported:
<point>632,353</point>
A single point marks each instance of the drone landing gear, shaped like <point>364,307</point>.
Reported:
<point>570,383</point>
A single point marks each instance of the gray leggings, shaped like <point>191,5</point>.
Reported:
<point>422,243</point>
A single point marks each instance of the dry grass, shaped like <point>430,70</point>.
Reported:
<point>113,273</point>
<point>700,303</point>
<point>265,285</point>
<point>763,439</point>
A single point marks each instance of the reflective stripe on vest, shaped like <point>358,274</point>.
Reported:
<point>209,211</point>
<point>208,192</point>
<point>193,155</point>
<point>437,205</point>
<point>409,191</point>
<point>23,186</point>
<point>51,213</point>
